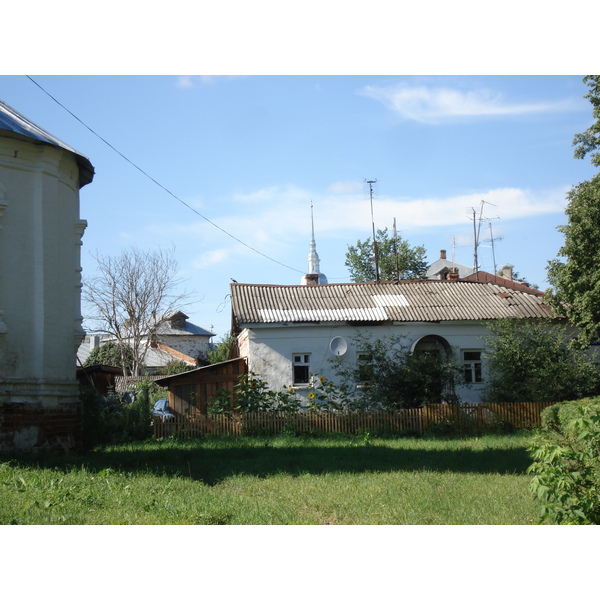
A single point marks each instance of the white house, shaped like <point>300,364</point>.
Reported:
<point>442,267</point>
<point>40,285</point>
<point>175,339</point>
<point>287,333</point>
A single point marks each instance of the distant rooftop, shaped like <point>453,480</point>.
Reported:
<point>441,267</point>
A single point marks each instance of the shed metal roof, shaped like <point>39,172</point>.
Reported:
<point>404,301</point>
<point>17,125</point>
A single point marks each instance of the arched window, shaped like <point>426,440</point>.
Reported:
<point>432,344</point>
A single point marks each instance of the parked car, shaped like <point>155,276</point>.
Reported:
<point>161,409</point>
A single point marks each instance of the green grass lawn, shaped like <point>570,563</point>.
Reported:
<point>278,480</point>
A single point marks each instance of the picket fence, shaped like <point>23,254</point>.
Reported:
<point>475,418</point>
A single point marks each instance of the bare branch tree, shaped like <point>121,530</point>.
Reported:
<point>131,295</point>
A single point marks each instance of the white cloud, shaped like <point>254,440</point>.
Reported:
<point>504,203</point>
<point>190,81</point>
<point>273,194</point>
<point>184,81</point>
<point>276,221</point>
<point>345,187</point>
<point>433,105</point>
<point>211,258</point>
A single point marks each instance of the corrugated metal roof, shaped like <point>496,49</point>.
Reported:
<point>15,123</point>
<point>388,301</point>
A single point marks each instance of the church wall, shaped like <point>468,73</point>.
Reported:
<point>40,283</point>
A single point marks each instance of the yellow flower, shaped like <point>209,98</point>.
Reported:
<point>322,379</point>
<point>312,395</point>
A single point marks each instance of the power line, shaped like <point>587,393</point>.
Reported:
<point>158,183</point>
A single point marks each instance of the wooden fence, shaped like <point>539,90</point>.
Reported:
<point>476,418</point>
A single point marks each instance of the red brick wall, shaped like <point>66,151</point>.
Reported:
<point>30,427</point>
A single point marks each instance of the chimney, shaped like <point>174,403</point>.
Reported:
<point>312,279</point>
<point>442,255</point>
<point>453,274</point>
<point>507,272</point>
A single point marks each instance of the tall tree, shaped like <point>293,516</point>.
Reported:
<point>589,140</point>
<point>130,297</point>
<point>397,259</point>
<point>575,282</point>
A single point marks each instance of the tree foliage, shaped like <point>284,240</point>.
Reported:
<point>174,367</point>
<point>589,140</point>
<point>533,361</point>
<point>130,297</point>
<point>397,259</point>
<point>391,376</point>
<point>220,351</point>
<point>110,354</point>
<point>575,282</point>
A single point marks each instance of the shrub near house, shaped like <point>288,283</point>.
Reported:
<point>566,471</point>
<point>534,361</point>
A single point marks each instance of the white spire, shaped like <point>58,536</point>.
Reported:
<point>313,257</point>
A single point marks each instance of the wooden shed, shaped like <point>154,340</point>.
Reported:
<point>189,392</point>
<point>101,377</point>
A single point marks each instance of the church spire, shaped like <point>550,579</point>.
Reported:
<point>313,257</point>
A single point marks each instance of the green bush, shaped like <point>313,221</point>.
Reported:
<point>101,417</point>
<point>111,420</point>
<point>220,351</point>
<point>323,395</point>
<point>391,376</point>
<point>253,395</point>
<point>174,367</point>
<point>110,354</point>
<point>566,468</point>
<point>534,361</point>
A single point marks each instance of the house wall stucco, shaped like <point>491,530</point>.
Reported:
<point>187,344</point>
<point>269,349</point>
<point>40,285</point>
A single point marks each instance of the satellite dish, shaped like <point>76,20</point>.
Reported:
<point>338,346</point>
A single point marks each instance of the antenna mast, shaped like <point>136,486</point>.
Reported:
<point>396,251</point>
<point>476,232</point>
<point>492,240</point>
<point>375,253</point>
<point>475,244</point>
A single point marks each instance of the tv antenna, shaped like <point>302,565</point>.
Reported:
<point>396,251</point>
<point>375,254</point>
<point>476,232</point>
<point>492,240</point>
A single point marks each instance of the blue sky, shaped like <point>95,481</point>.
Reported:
<point>249,154</point>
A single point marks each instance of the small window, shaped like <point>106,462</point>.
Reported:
<point>364,365</point>
<point>472,366</point>
<point>301,369</point>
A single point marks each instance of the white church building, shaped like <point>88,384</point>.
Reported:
<point>40,285</point>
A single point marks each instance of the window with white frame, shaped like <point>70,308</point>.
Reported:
<point>301,369</point>
<point>472,366</point>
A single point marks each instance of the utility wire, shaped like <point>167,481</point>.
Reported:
<point>158,183</point>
